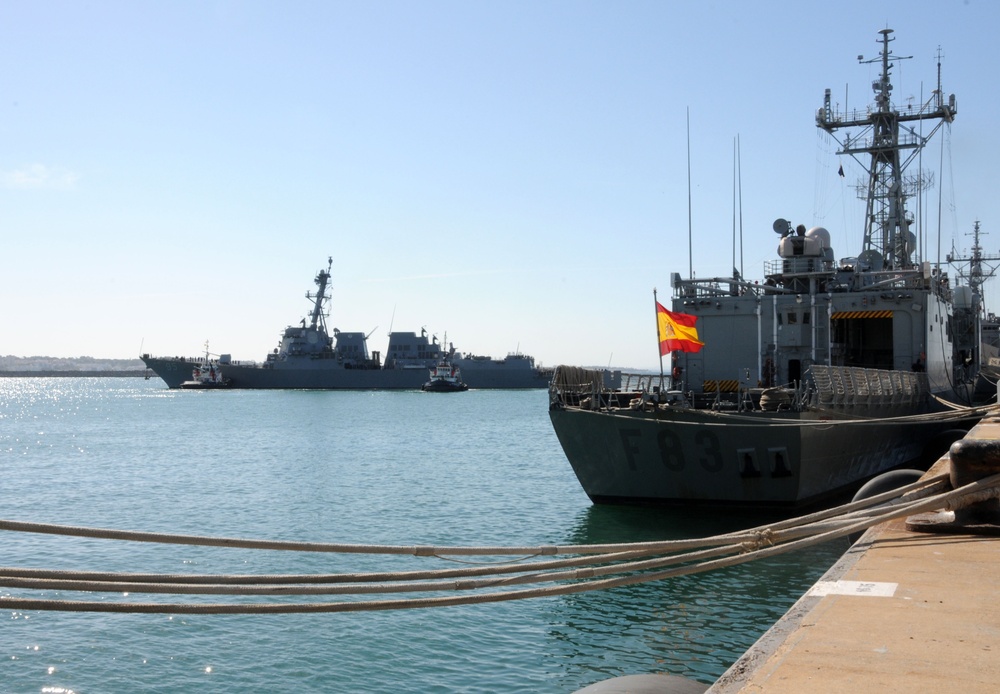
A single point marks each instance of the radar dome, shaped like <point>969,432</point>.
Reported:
<point>821,235</point>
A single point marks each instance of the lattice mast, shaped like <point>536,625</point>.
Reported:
<point>884,134</point>
<point>971,267</point>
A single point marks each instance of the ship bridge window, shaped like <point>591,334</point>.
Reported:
<point>792,318</point>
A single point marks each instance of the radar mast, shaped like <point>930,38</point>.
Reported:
<point>883,141</point>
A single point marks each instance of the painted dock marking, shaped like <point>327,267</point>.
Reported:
<point>863,588</point>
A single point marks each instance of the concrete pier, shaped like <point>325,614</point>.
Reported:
<point>902,611</point>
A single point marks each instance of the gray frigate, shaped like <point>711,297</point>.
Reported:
<point>823,374</point>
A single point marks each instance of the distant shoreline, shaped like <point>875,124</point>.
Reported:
<point>48,373</point>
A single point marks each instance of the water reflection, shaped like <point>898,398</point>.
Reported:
<point>601,523</point>
<point>693,626</point>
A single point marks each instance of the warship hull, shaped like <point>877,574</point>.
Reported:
<point>779,459</point>
<point>318,374</point>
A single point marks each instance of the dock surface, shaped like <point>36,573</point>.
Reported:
<point>901,611</point>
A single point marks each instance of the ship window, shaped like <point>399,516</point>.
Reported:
<point>792,318</point>
<point>805,318</point>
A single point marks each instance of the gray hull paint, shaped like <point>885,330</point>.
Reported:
<point>319,375</point>
<point>758,459</point>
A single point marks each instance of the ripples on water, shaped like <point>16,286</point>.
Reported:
<point>479,467</point>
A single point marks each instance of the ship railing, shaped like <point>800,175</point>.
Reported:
<point>859,117</point>
<point>864,144</point>
<point>714,287</point>
<point>799,267</point>
<point>851,386</point>
<point>891,279</point>
<point>644,382</point>
<point>201,360</point>
<point>574,386</point>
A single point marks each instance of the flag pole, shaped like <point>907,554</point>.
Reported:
<point>656,312</point>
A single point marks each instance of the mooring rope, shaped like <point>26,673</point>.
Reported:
<point>443,551</point>
<point>594,568</point>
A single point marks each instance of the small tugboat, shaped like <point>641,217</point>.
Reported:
<point>445,378</point>
<point>206,376</point>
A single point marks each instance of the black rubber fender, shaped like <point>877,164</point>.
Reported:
<point>886,482</point>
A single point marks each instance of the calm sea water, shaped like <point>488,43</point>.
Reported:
<point>480,467</point>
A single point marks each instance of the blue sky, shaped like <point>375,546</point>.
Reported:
<point>513,174</point>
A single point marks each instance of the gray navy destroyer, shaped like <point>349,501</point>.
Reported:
<point>309,357</point>
<point>824,374</point>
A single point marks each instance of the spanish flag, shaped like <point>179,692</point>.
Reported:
<point>676,331</point>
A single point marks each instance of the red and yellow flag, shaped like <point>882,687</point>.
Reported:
<point>676,331</point>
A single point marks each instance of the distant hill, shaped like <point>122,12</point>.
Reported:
<point>69,366</point>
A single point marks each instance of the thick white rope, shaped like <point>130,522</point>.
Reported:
<point>444,551</point>
<point>761,542</point>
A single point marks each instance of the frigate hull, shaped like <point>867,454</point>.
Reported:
<point>752,459</point>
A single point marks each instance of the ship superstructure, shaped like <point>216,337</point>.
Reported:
<point>828,372</point>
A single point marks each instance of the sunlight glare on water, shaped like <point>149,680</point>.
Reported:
<point>481,467</point>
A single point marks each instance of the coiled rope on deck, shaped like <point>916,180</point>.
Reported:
<point>592,567</point>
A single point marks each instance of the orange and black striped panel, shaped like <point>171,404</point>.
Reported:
<point>846,315</point>
<point>720,386</point>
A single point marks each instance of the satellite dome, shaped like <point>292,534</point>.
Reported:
<point>821,235</point>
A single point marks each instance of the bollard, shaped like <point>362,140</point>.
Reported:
<point>971,460</point>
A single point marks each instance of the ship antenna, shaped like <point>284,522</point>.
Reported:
<point>739,181</point>
<point>734,203</point>
<point>939,98</point>
<point>690,251</point>
<point>940,91</point>
<point>737,203</point>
